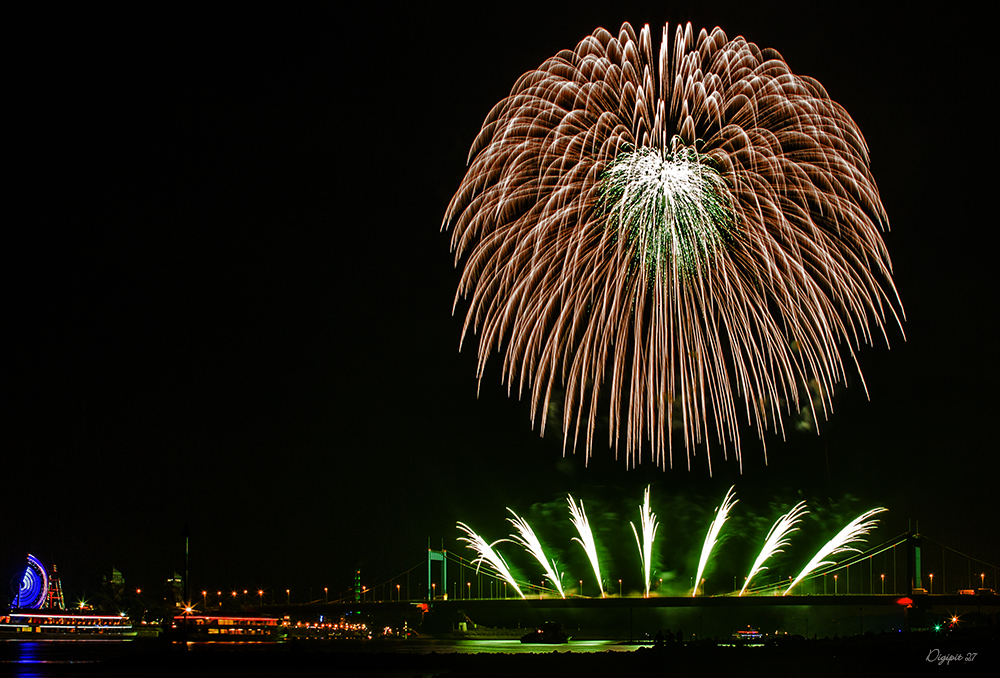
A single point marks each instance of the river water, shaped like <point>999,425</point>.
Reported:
<point>385,659</point>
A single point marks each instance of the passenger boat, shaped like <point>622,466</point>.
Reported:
<point>549,632</point>
<point>63,625</point>
<point>203,627</point>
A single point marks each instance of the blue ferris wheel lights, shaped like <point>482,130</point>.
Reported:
<point>34,590</point>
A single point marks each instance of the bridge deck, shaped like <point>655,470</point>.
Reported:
<point>888,600</point>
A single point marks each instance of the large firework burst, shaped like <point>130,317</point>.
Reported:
<point>689,227</point>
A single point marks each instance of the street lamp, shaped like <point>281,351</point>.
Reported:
<point>883,582</point>
<point>932,582</point>
<point>581,588</point>
<point>397,593</point>
<point>288,596</point>
<point>982,580</point>
<point>834,584</point>
<point>326,594</point>
<point>619,588</point>
<point>468,590</point>
<point>260,593</point>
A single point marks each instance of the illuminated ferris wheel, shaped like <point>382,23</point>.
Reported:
<point>34,590</point>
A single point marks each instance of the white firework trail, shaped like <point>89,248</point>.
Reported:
<point>855,530</point>
<point>649,525</point>
<point>586,539</point>
<point>527,538</point>
<point>488,555</point>
<point>777,540</point>
<point>721,514</point>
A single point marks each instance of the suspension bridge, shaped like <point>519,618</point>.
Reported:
<point>906,565</point>
<point>908,582</point>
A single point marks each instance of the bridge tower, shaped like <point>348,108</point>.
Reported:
<point>433,555</point>
<point>913,542</point>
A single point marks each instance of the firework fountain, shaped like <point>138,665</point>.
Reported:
<point>854,531</point>
<point>648,522</point>
<point>527,538</point>
<point>777,540</point>
<point>488,555</point>
<point>586,539</point>
<point>721,514</point>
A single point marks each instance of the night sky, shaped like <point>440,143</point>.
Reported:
<point>229,301</point>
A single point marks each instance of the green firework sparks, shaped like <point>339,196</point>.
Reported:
<point>673,208</point>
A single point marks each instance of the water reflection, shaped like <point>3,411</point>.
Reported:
<point>25,660</point>
<point>59,659</point>
<point>39,659</point>
<point>507,646</point>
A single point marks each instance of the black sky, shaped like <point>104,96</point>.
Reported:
<point>229,301</point>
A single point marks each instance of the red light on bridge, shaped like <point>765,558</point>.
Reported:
<point>906,602</point>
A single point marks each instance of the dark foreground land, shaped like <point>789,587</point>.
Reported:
<point>971,653</point>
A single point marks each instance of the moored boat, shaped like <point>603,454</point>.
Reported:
<point>203,627</point>
<point>549,632</point>
<point>63,625</point>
